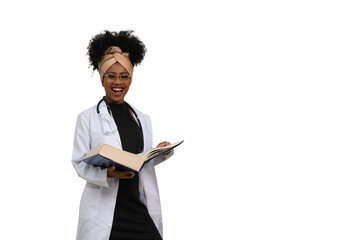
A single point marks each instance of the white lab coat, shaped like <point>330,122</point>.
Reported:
<point>99,197</point>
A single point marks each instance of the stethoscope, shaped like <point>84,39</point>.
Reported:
<point>109,127</point>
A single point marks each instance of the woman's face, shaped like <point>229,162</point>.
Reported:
<point>116,83</point>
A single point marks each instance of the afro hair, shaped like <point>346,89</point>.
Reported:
<point>125,40</point>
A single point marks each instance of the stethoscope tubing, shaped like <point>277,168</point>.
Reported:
<point>131,109</point>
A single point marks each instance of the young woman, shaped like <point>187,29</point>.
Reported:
<point>116,204</point>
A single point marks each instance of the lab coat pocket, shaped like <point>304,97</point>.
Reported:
<point>90,201</point>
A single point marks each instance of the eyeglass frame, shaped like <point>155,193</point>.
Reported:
<point>109,80</point>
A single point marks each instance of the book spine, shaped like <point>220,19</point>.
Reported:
<point>120,167</point>
<point>103,162</point>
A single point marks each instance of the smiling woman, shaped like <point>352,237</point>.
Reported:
<point>116,90</point>
<point>117,204</point>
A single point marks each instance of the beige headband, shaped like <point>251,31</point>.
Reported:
<point>112,55</point>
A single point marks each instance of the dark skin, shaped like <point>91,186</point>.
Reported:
<point>115,93</point>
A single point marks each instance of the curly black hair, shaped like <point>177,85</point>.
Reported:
<point>125,40</point>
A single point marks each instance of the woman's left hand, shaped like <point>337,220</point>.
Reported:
<point>164,144</point>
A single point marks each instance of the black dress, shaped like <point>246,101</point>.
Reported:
<point>131,217</point>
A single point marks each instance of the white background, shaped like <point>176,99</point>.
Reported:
<point>264,93</point>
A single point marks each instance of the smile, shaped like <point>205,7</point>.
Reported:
<point>117,91</point>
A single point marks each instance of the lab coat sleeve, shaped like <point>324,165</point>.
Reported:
<point>81,147</point>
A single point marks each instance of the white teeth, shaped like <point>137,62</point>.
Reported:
<point>117,89</point>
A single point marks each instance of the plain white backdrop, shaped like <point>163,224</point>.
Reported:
<point>264,93</point>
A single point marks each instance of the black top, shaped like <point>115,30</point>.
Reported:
<point>131,217</point>
<point>129,130</point>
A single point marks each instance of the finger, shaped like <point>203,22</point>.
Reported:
<point>127,175</point>
<point>163,144</point>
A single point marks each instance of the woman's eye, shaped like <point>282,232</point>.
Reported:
<point>111,76</point>
<point>124,77</point>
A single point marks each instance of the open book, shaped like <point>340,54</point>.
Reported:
<point>105,156</point>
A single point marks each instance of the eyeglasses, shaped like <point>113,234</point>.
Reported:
<point>111,78</point>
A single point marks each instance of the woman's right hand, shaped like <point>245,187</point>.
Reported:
<point>113,173</point>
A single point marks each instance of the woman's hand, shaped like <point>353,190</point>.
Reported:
<point>113,173</point>
<point>164,144</point>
